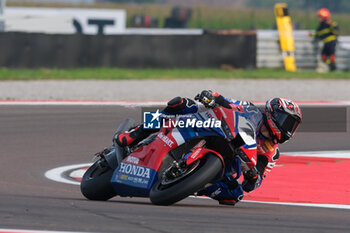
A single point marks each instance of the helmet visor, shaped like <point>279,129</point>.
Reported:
<point>287,123</point>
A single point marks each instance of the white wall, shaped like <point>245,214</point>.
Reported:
<point>60,20</point>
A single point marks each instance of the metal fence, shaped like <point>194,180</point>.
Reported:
<point>307,51</point>
<point>2,23</point>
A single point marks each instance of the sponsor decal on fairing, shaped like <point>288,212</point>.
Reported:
<point>134,170</point>
<point>132,159</point>
<point>133,175</point>
<point>166,139</point>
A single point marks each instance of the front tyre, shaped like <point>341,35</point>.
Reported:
<point>166,193</point>
<point>96,184</point>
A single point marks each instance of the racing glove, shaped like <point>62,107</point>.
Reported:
<point>212,99</point>
<point>206,98</point>
<point>252,180</point>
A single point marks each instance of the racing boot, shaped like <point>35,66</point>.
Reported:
<point>228,202</point>
<point>225,193</point>
<point>132,136</point>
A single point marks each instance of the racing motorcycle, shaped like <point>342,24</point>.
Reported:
<point>168,166</point>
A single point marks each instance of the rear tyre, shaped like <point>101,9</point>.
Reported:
<point>168,194</point>
<point>96,182</point>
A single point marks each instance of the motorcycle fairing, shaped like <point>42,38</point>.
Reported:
<point>138,172</point>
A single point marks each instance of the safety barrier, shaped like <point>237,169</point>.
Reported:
<point>164,49</point>
<point>29,50</point>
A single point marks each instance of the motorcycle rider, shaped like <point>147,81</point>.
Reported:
<point>277,124</point>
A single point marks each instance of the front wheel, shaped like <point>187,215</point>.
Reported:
<point>165,192</point>
<point>96,182</point>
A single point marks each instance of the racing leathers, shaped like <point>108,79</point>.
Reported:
<point>259,154</point>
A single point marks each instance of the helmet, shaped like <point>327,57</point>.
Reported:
<point>283,118</point>
<point>324,13</point>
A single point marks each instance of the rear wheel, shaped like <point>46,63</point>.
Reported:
<point>96,184</point>
<point>167,191</point>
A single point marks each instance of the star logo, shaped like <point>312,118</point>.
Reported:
<point>156,115</point>
<point>152,120</point>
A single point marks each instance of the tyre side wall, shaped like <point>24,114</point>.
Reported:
<point>97,188</point>
<point>205,174</point>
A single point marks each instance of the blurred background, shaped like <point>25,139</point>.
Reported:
<point>219,14</point>
<point>229,34</point>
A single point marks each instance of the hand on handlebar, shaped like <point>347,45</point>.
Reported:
<point>206,98</point>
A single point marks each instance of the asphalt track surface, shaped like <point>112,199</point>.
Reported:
<point>35,139</point>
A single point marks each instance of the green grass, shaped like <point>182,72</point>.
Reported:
<point>128,74</point>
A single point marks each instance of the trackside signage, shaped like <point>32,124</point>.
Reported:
<point>65,20</point>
